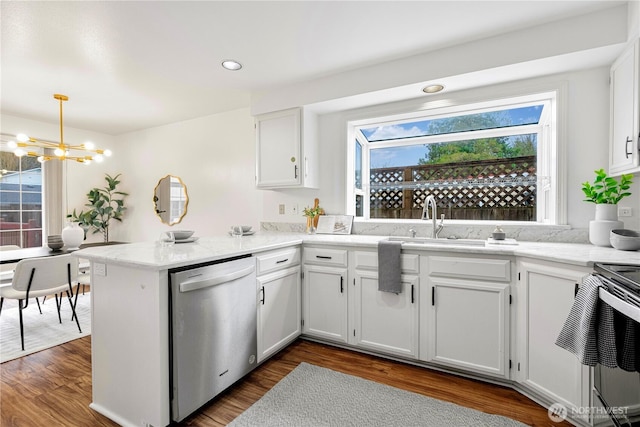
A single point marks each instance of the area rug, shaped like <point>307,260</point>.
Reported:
<point>41,331</point>
<point>315,396</point>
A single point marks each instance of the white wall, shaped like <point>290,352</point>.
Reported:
<point>215,158</point>
<point>586,139</point>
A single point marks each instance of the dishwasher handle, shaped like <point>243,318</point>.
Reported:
<point>193,285</point>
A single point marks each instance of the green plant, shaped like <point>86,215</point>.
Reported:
<point>104,205</point>
<point>607,190</point>
<point>312,212</point>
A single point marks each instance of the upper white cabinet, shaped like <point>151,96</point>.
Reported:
<point>625,115</point>
<point>286,149</point>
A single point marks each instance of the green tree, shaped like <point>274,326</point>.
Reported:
<point>475,149</point>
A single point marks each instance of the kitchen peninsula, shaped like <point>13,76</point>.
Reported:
<point>130,300</point>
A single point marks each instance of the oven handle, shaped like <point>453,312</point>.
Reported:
<point>619,305</point>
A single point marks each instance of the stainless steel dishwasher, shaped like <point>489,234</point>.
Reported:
<point>213,331</point>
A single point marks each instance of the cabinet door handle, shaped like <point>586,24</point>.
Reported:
<point>323,257</point>
<point>263,295</point>
<point>433,296</point>
<point>341,284</point>
<point>282,260</point>
<point>412,295</point>
<point>627,153</point>
<point>295,171</point>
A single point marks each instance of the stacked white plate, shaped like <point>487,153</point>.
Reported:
<point>184,236</point>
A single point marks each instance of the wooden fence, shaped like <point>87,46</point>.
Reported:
<point>501,189</point>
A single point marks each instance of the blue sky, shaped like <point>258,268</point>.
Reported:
<point>405,156</point>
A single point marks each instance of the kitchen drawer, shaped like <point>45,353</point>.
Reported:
<point>471,268</point>
<point>323,256</point>
<point>409,263</point>
<point>277,260</point>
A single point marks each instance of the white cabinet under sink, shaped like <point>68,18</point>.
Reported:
<point>384,321</point>
<point>464,318</point>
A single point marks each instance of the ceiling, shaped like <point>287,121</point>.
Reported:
<point>134,65</point>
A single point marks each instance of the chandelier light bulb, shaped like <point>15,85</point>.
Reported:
<point>98,158</point>
<point>87,161</point>
<point>107,153</point>
<point>41,159</point>
<point>19,152</point>
<point>22,137</point>
<point>12,144</point>
<point>89,145</point>
<point>58,152</point>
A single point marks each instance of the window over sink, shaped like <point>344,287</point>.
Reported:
<point>481,161</point>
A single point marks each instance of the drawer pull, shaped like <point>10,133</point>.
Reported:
<point>323,257</point>
<point>341,284</point>
<point>282,260</point>
<point>263,296</point>
<point>412,294</point>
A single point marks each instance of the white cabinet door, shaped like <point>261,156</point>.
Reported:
<point>468,325</point>
<point>385,321</point>
<point>623,148</point>
<point>544,296</point>
<point>325,302</point>
<point>279,311</point>
<point>286,149</point>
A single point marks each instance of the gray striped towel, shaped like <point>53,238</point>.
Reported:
<point>589,331</point>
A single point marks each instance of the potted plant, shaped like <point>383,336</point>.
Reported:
<point>104,205</point>
<point>312,215</point>
<point>605,192</point>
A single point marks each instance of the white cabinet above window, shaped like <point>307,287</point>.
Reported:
<point>286,149</point>
<point>624,155</point>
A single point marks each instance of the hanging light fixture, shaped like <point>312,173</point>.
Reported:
<point>27,146</point>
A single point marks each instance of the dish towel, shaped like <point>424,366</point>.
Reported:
<point>589,331</point>
<point>389,266</point>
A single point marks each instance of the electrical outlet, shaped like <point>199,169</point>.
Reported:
<point>99,269</point>
<point>625,211</point>
<point>281,209</point>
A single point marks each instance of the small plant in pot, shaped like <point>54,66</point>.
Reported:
<point>104,205</point>
<point>605,192</point>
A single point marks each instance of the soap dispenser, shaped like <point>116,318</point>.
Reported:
<point>498,234</point>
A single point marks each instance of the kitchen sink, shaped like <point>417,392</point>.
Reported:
<point>430,241</point>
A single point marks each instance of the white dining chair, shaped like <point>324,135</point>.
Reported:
<point>38,277</point>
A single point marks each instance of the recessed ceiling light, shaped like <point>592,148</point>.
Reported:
<point>432,88</point>
<point>232,65</point>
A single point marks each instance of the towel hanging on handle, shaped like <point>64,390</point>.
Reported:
<point>389,277</point>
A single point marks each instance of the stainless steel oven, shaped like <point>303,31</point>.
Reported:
<point>616,391</point>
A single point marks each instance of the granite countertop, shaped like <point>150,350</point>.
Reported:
<point>151,255</point>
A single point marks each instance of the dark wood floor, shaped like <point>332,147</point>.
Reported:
<point>53,387</point>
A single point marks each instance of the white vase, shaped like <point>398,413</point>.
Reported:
<point>606,220</point>
<point>72,236</point>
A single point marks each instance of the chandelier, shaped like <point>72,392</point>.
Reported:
<point>27,146</point>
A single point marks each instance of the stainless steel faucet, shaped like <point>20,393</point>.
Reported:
<point>431,201</point>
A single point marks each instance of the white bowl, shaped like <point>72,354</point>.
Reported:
<point>625,240</point>
<point>182,234</point>
<point>246,228</point>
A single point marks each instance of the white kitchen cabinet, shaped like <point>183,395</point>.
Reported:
<point>544,295</point>
<point>624,156</point>
<point>286,149</point>
<point>279,301</point>
<point>384,321</point>
<point>465,314</point>
<point>324,294</point>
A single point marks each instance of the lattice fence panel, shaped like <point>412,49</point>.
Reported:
<point>470,187</point>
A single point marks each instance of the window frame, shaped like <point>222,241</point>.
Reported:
<point>551,180</point>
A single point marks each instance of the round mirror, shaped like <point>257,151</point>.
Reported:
<point>170,200</point>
